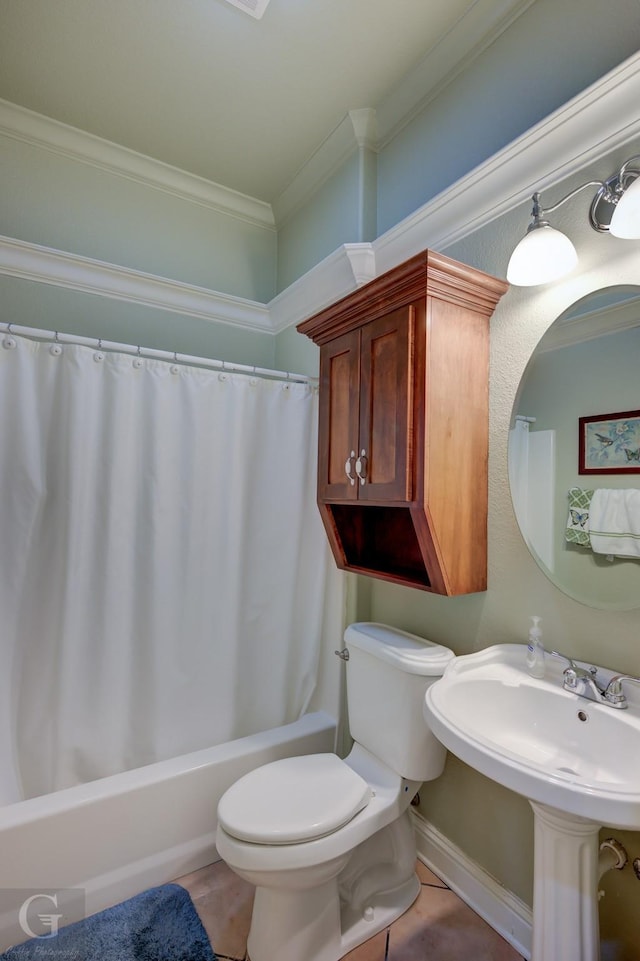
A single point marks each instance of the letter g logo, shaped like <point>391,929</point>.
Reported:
<point>47,920</point>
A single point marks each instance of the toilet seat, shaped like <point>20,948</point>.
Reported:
<point>293,800</point>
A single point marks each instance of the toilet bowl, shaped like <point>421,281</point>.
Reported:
<point>327,842</point>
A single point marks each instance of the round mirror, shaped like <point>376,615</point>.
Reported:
<point>574,441</point>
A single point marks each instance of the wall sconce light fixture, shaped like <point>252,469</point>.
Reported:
<point>545,254</point>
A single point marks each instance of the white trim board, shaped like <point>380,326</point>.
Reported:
<point>40,131</point>
<point>73,272</point>
<point>556,148</point>
<point>600,119</point>
<point>591,324</point>
<point>255,8</point>
<point>501,909</point>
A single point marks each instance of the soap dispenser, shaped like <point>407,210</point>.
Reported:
<point>535,650</point>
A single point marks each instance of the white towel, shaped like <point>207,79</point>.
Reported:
<point>614,522</point>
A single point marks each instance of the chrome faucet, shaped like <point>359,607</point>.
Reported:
<point>614,695</point>
<point>580,681</point>
<point>585,684</point>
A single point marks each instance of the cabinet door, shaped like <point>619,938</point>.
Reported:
<point>386,407</point>
<point>339,418</point>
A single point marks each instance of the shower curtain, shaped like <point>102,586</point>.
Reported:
<point>164,577</point>
<point>532,476</point>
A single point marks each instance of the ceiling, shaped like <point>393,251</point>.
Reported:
<point>244,102</point>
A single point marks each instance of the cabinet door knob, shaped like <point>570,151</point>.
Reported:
<point>347,467</point>
<point>361,466</point>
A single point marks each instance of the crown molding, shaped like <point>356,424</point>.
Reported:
<point>255,8</point>
<point>356,129</point>
<point>70,142</point>
<point>479,27</point>
<point>591,324</point>
<point>558,147</point>
<point>597,121</point>
<point>350,266</point>
<point>73,272</point>
<point>373,129</point>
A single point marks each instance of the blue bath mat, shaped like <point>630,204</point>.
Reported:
<point>160,924</point>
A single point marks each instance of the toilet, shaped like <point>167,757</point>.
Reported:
<point>329,843</point>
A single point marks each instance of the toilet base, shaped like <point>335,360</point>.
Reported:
<point>326,921</point>
<point>307,924</point>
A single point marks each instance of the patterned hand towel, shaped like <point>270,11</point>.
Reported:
<point>578,526</point>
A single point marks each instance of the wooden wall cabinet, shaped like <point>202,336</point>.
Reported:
<point>403,432</point>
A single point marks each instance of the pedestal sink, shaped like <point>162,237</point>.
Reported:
<point>571,757</point>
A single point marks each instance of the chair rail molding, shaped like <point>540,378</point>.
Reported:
<point>46,265</point>
<point>351,265</point>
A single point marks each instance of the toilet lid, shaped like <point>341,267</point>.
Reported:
<point>292,800</point>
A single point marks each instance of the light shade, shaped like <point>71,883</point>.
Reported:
<point>625,222</point>
<point>544,254</point>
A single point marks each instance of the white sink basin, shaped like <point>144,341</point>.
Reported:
<point>537,739</point>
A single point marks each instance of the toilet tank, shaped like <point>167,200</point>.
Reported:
<point>388,673</point>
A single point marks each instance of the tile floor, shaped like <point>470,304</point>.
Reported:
<point>438,927</point>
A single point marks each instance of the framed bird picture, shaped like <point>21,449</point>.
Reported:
<point>610,443</point>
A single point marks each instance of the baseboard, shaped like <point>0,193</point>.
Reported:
<point>505,912</point>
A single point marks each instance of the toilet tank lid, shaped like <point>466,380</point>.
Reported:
<point>406,652</point>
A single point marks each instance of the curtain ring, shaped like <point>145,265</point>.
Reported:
<point>9,342</point>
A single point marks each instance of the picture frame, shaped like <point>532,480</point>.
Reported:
<point>609,443</point>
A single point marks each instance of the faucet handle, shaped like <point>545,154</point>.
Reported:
<point>578,671</point>
<point>572,664</point>
<point>614,693</point>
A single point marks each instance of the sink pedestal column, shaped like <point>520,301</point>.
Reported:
<point>565,904</point>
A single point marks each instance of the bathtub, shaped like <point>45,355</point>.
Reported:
<point>115,837</point>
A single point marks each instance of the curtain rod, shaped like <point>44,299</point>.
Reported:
<point>154,354</point>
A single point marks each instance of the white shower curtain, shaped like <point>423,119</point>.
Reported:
<point>519,469</point>
<point>163,569</point>
<point>532,475</point>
